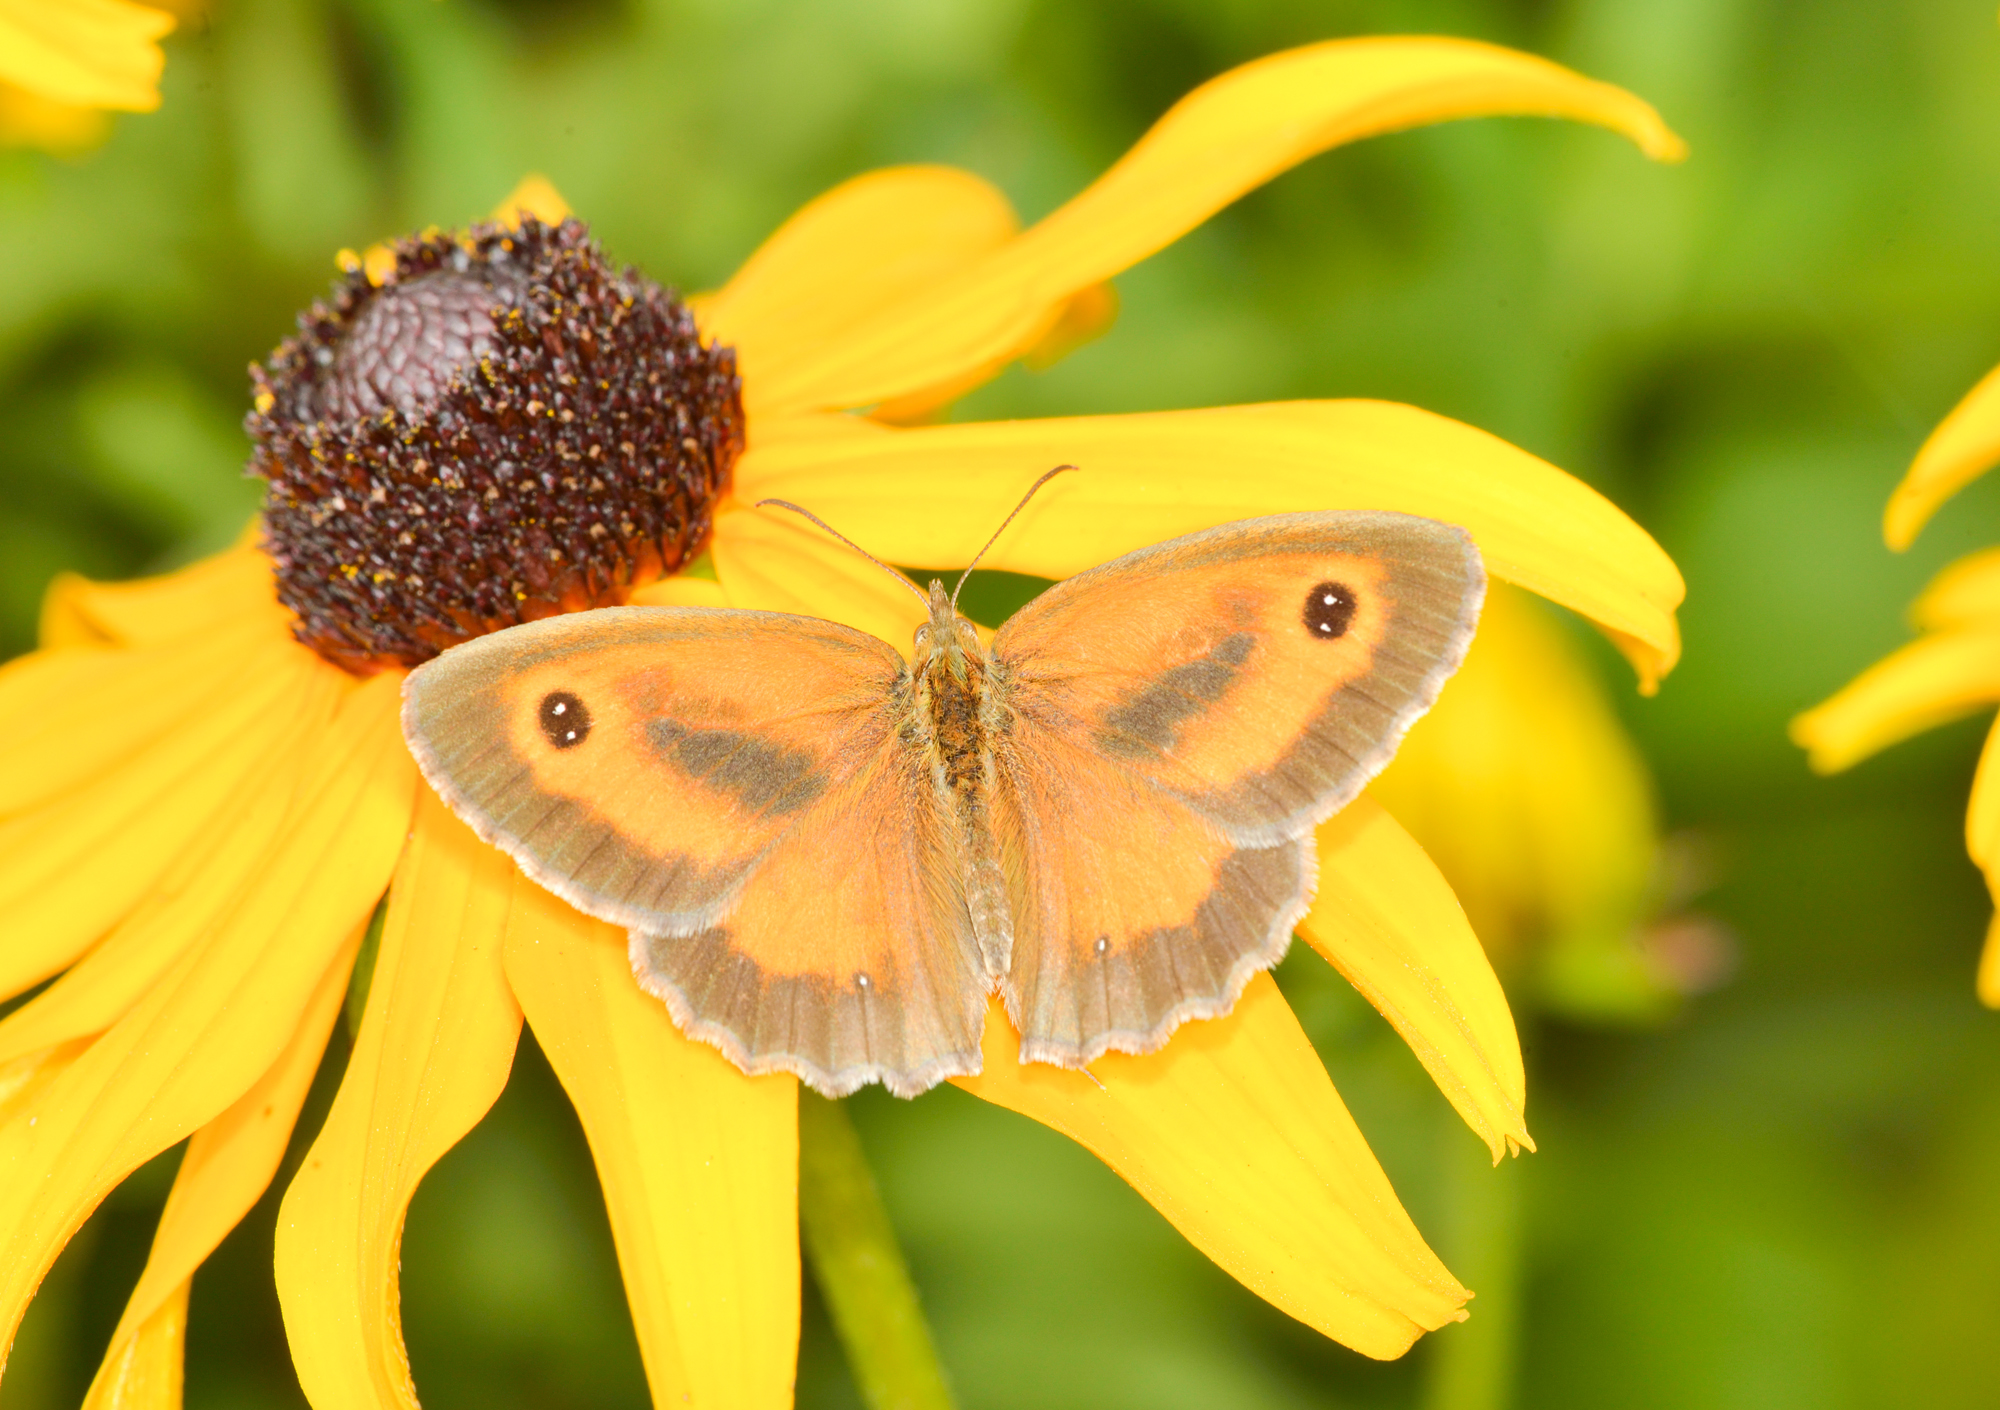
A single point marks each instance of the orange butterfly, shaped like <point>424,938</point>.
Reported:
<point>828,857</point>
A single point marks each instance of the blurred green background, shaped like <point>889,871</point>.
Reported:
<point>1787,1195</point>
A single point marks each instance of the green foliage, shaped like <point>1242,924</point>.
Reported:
<point>1786,1199</point>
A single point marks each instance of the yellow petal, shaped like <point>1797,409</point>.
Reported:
<point>1227,137</point>
<point>116,700</point>
<point>143,1371</point>
<point>1989,966</point>
<point>1234,1132</point>
<point>71,870</point>
<point>1965,594</point>
<point>94,53</point>
<point>535,196</point>
<point>30,120</point>
<point>680,591</point>
<point>432,1056</point>
<point>1932,680</point>
<point>1964,444</point>
<point>1982,816</point>
<point>1524,788</point>
<point>863,244</point>
<point>699,1164</point>
<point>190,898</point>
<point>773,561</point>
<point>190,602</point>
<point>228,1164</point>
<point>214,1025</point>
<point>933,494</point>
<point>1385,918</point>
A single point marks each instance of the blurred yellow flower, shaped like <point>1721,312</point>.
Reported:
<point>63,62</point>
<point>198,813</point>
<point>1953,668</point>
<point>1524,788</point>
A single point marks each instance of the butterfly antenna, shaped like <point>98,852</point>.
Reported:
<point>808,514</point>
<point>1003,529</point>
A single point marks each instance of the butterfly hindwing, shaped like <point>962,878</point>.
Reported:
<point>731,788</point>
<point>1220,695</point>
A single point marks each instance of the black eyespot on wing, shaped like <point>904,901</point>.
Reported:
<point>1329,608</point>
<point>564,719</point>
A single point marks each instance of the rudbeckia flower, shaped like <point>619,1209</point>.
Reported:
<point>63,62</point>
<point>1525,789</point>
<point>205,792</point>
<point>1953,668</point>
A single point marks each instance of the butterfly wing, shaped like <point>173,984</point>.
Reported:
<point>732,789</point>
<point>1174,725</point>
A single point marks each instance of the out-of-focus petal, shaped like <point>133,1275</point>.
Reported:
<point>213,1026</point>
<point>1989,966</point>
<point>773,561</point>
<point>1227,137</point>
<point>91,53</point>
<point>71,869</point>
<point>537,196</point>
<point>699,1164</point>
<point>189,602</point>
<point>933,494</point>
<point>1934,679</point>
<point>143,1371</point>
<point>866,243</point>
<point>1234,1132</point>
<point>1964,444</point>
<point>30,120</point>
<point>224,1172</point>
<point>1965,594</point>
<point>433,1054</point>
<point>1385,918</point>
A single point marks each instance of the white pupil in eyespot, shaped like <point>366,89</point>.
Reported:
<point>562,706</point>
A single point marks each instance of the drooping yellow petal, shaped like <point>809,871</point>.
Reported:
<point>537,196</point>
<point>1234,1132</point>
<point>189,602</point>
<point>1524,788</point>
<point>1989,966</point>
<point>1225,138</point>
<point>842,257</point>
<point>1964,594</point>
<point>213,1026</point>
<point>1932,680</point>
<point>1982,816</point>
<point>933,494</point>
<point>143,1371</point>
<point>72,869</point>
<point>432,1056</point>
<point>1964,444</point>
<point>91,53</point>
<point>30,120</point>
<point>228,1164</point>
<point>1385,918</point>
<point>699,1164</point>
<point>773,561</point>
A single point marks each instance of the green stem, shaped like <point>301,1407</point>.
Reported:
<point>1473,1364</point>
<point>859,1266</point>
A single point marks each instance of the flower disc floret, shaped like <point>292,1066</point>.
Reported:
<point>497,427</point>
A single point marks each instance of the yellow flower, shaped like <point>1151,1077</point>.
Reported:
<point>1525,789</point>
<point>1954,667</point>
<point>62,62</point>
<point>198,813</point>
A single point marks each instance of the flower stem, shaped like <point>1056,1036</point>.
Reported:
<point>859,1266</point>
<point>1473,1365</point>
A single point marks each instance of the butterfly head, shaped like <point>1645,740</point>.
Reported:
<point>947,638</point>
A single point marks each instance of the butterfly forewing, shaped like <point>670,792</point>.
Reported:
<point>1239,686</point>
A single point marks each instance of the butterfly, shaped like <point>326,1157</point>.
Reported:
<point>828,857</point>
